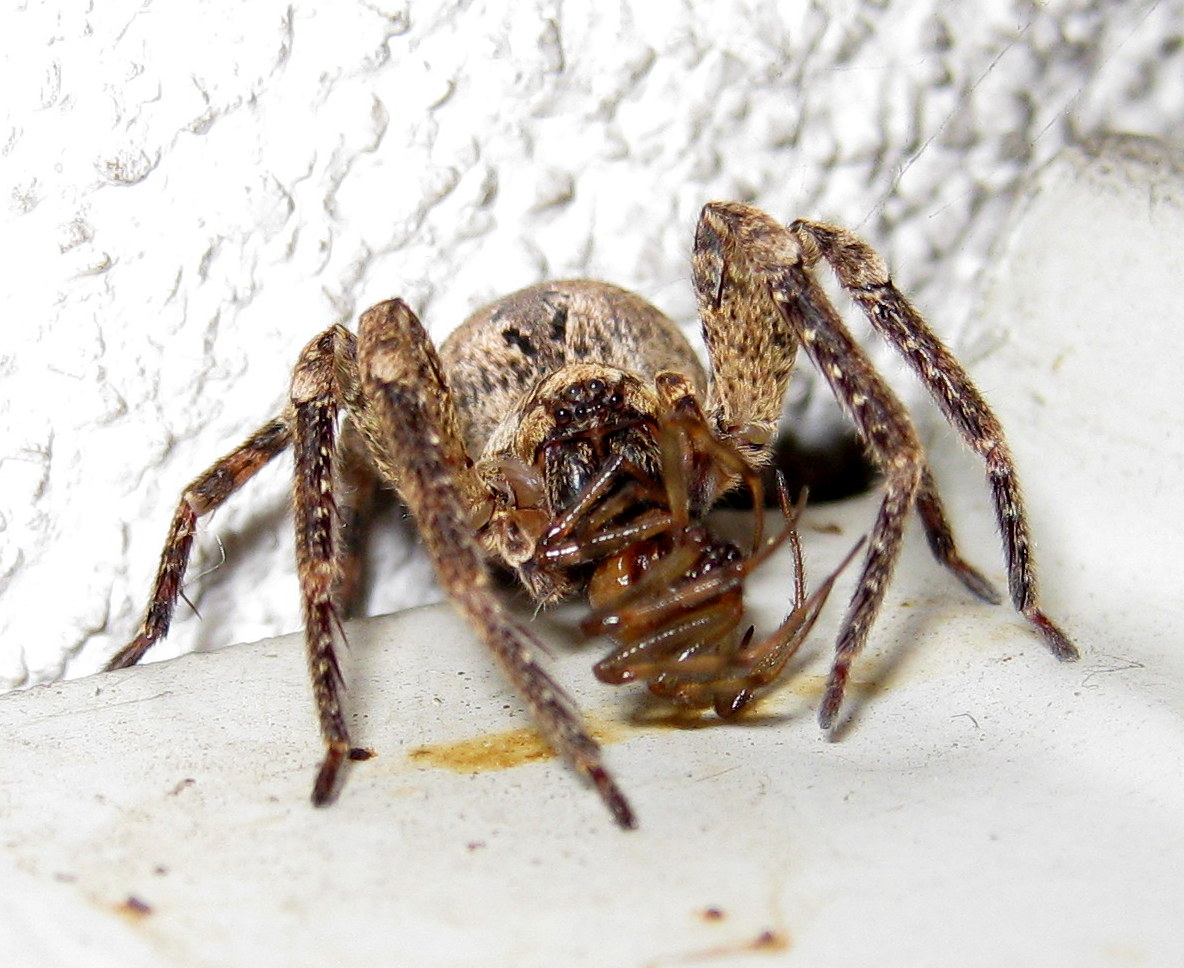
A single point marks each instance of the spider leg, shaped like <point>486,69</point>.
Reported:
<point>407,416</point>
<point>863,274</point>
<point>749,268</point>
<point>317,397</point>
<point>205,493</point>
<point>742,258</point>
<point>941,541</point>
<point>751,348</point>
<point>752,352</point>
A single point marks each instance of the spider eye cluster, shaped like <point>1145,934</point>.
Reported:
<point>586,402</point>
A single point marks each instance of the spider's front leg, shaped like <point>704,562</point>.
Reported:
<point>759,301</point>
<point>322,383</point>
<point>406,415</point>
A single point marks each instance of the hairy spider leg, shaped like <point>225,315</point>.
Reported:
<point>204,494</point>
<point>750,271</point>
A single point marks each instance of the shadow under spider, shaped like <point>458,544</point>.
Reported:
<point>836,468</point>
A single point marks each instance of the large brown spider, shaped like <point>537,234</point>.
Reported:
<point>569,433</point>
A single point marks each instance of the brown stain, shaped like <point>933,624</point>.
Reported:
<point>133,908</point>
<point>500,751</point>
<point>768,941</point>
<point>507,749</point>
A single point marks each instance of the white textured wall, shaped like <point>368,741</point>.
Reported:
<point>192,190</point>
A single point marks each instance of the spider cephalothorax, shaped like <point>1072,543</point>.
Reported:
<point>593,412</point>
<point>569,433</point>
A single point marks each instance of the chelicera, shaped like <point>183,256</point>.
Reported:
<point>569,434</point>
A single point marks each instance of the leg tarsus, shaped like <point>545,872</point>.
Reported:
<point>941,542</point>
<point>613,798</point>
<point>973,580</point>
<point>131,653</point>
<point>832,699</point>
<point>166,588</point>
<point>330,776</point>
<point>1057,641</point>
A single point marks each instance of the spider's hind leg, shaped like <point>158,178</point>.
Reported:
<point>941,541</point>
<point>205,493</point>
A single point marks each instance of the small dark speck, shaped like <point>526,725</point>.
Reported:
<point>136,906</point>
<point>768,939</point>
<point>358,754</point>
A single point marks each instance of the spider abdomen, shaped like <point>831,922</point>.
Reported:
<point>504,350</point>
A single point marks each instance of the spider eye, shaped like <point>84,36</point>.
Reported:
<point>562,415</point>
<point>596,386</point>
<point>616,400</point>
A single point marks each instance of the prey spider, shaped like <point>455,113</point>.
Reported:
<point>569,434</point>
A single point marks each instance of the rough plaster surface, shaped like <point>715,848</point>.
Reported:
<point>192,191</point>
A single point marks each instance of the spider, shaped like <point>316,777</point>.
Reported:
<point>569,434</point>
